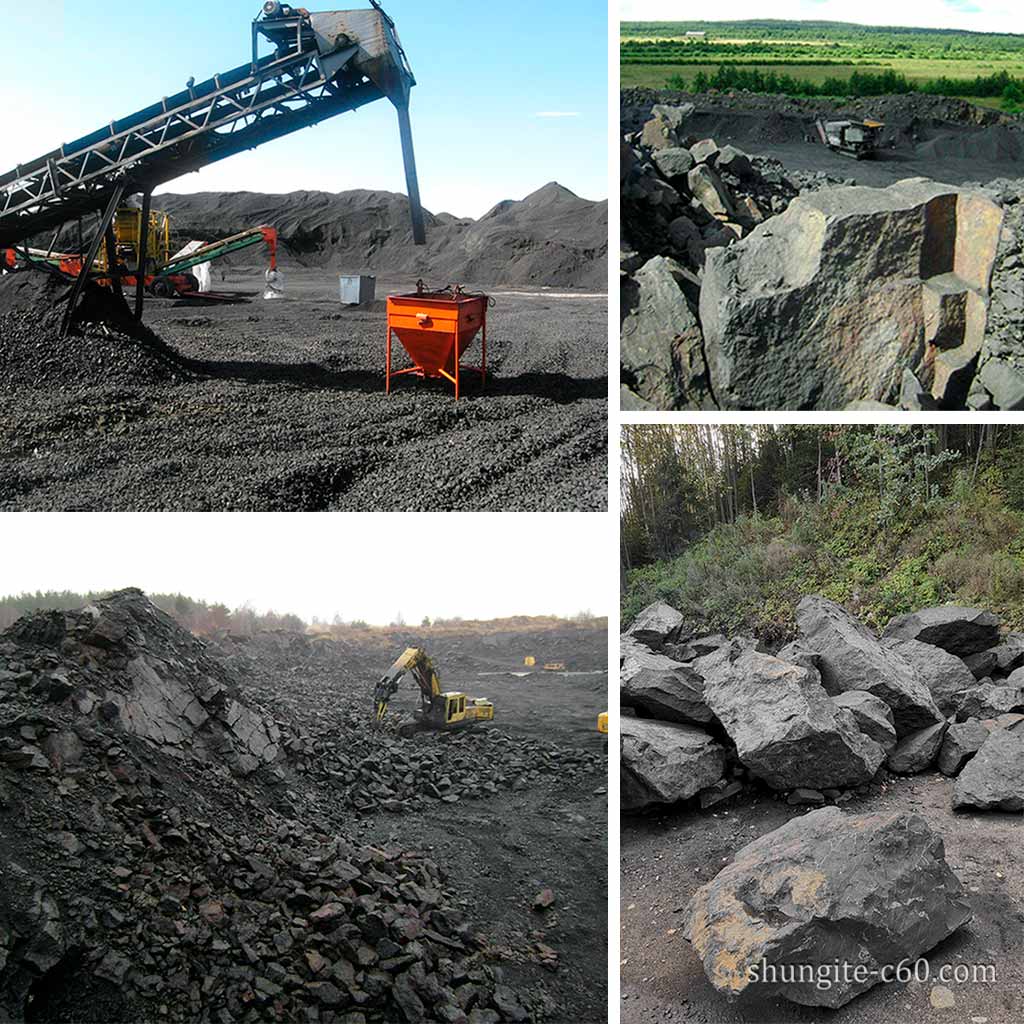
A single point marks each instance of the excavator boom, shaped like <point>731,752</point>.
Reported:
<point>437,710</point>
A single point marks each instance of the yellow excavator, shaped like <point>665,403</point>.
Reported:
<point>437,710</point>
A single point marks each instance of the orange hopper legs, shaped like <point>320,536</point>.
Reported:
<point>387,363</point>
<point>455,349</point>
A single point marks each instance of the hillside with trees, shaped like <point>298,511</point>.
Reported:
<point>733,524</point>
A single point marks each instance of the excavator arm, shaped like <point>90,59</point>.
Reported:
<point>415,662</point>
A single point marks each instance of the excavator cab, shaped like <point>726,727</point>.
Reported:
<point>437,710</point>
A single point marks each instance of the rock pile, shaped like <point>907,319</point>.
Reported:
<point>739,293</point>
<point>380,771</point>
<point>680,197</point>
<point>824,714</point>
<point>104,348</point>
<point>160,857</point>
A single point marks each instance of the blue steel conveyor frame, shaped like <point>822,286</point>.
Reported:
<point>324,64</point>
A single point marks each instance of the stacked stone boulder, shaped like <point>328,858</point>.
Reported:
<point>681,196</point>
<point>748,287</point>
<point>826,712</point>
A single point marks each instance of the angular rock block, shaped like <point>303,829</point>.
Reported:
<point>994,778</point>
<point>956,629</point>
<point>987,701</point>
<point>786,730</point>
<point>657,624</point>
<point>872,715</point>
<point>824,305</point>
<point>825,887</point>
<point>711,193</point>
<point>961,742</point>
<point>661,762</point>
<point>918,751</point>
<point>705,151</point>
<point>944,674</point>
<point>665,128</point>
<point>662,688</point>
<point>675,162</point>
<point>853,658</point>
<point>1009,654</point>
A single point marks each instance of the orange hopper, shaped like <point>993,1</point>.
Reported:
<point>435,329</point>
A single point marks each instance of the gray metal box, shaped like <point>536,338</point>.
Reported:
<point>357,290</point>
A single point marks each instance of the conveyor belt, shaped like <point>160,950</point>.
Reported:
<point>324,65</point>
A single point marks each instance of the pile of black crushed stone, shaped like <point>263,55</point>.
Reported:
<point>104,347</point>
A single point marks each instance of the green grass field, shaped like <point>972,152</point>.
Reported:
<point>654,52</point>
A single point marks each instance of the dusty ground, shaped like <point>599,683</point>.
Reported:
<point>666,858</point>
<point>285,410</point>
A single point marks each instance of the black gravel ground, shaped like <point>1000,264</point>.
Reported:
<point>281,406</point>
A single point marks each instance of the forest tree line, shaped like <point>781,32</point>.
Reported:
<point>199,617</point>
<point>734,525</point>
<point>679,481</point>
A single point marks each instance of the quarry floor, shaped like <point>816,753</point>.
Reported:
<point>499,853</point>
<point>922,145</point>
<point>288,413</point>
<point>665,858</point>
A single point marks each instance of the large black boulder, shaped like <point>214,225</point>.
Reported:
<point>823,889</point>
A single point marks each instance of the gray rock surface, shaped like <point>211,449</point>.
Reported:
<point>961,742</point>
<point>662,347</point>
<point>982,664</point>
<point>828,303</point>
<point>944,674</point>
<point>994,778</point>
<point>734,161</point>
<point>786,730</point>
<point>826,887</point>
<point>956,629</point>
<point>918,751</point>
<point>852,658</point>
<point>872,715</point>
<point>1009,654</point>
<point>988,700</point>
<point>662,762</point>
<point>662,688</point>
<point>666,128</point>
<point>798,653</point>
<point>657,624</point>
<point>673,163</point>
<point>704,152</point>
<point>710,192</point>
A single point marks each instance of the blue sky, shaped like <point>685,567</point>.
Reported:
<point>970,15</point>
<point>485,73</point>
